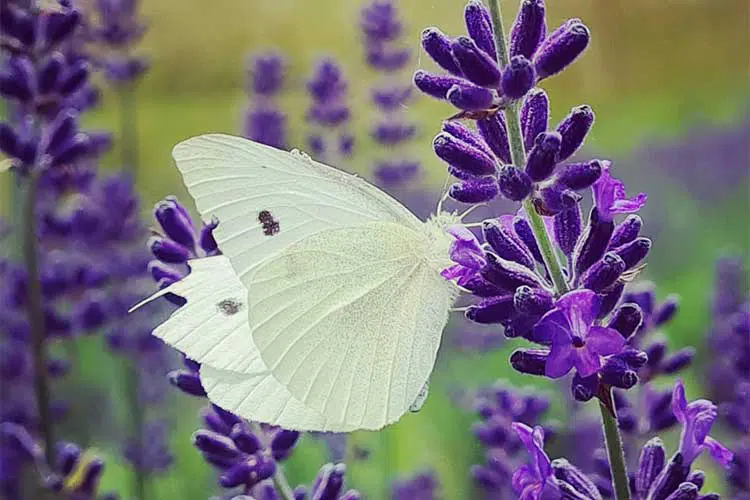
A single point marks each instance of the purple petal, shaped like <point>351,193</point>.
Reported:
<point>610,196</point>
<point>679,402</point>
<point>465,249</point>
<point>553,325</point>
<point>522,477</point>
<point>718,451</point>
<point>586,361</point>
<point>580,307</point>
<point>560,360</point>
<point>604,341</point>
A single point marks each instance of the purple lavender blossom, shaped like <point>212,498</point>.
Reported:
<point>475,83</point>
<point>382,37</point>
<point>328,113</point>
<point>264,121</point>
<point>421,486</point>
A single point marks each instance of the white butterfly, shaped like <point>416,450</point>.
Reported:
<point>327,315</point>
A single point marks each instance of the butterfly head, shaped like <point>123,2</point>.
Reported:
<point>439,239</point>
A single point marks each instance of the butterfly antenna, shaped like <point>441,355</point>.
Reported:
<point>442,198</point>
<point>471,209</point>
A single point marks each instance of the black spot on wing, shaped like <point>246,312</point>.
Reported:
<point>269,224</point>
<point>229,307</point>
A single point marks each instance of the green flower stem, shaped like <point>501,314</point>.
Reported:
<point>518,156</point>
<point>615,453</point>
<point>36,318</point>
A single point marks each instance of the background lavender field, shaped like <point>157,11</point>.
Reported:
<point>668,81</point>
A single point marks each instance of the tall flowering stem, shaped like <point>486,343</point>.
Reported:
<point>36,318</point>
<point>518,156</point>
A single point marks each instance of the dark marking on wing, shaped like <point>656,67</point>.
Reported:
<point>270,225</point>
<point>229,307</point>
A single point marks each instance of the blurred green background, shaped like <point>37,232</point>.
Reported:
<point>654,71</point>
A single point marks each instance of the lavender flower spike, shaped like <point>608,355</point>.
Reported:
<point>610,197</point>
<point>697,418</point>
<point>576,341</point>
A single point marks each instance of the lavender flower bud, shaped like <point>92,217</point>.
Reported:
<point>610,299</point>
<point>59,26</point>
<point>171,217</point>
<point>462,156</point>
<point>438,46</point>
<point>543,156</point>
<point>494,133</point>
<point>470,97</point>
<point>215,443</point>
<point>626,231</point>
<point>626,319</point>
<point>534,116</point>
<point>650,464</point>
<point>474,191</point>
<point>634,252</point>
<point>249,472</point>
<point>329,482</point>
<point>75,78</point>
<point>561,48</point>
<point>666,311</point>
<point>17,82</point>
<point>168,251</point>
<point>584,388</point>
<point>579,176</point>
<point>528,29</point>
<point>244,438</point>
<point>551,200</point>
<point>491,434</point>
<point>617,373</point>
<point>436,86</point>
<point>476,65</point>
<point>532,301</point>
<point>517,77</point>
<point>573,130</point>
<point>492,310</point>
<point>206,239</point>
<point>91,474</point>
<point>685,491</point>
<point>679,360</point>
<point>482,288</point>
<point>505,244</point>
<point>604,273</point>
<point>526,234</point>
<point>595,242</point>
<point>187,382</point>
<point>531,361</point>
<point>568,228</point>
<point>670,478</point>
<point>565,471</point>
<point>479,27</point>
<point>49,73</point>
<point>514,183</point>
<point>455,129</point>
<point>507,274</point>
<point>283,442</point>
<point>70,151</point>
<point>698,478</point>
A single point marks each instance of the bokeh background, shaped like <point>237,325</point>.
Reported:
<point>668,81</point>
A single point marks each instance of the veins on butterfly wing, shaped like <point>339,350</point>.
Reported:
<point>229,307</point>
<point>269,224</point>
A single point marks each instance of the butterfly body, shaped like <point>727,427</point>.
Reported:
<point>326,309</point>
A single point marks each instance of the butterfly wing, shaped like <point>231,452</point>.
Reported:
<point>349,320</point>
<point>212,327</point>
<point>236,179</point>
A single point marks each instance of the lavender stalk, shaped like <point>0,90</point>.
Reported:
<point>36,319</point>
<point>518,156</point>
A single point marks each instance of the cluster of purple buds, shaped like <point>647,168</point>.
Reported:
<point>177,242</point>
<point>658,478</point>
<point>264,121</point>
<point>74,472</point>
<point>328,112</point>
<point>117,28</point>
<point>475,84</point>
<point>382,32</point>
<point>245,455</point>
<point>43,84</point>
<point>498,407</point>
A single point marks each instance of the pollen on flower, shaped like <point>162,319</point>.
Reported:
<point>229,307</point>
<point>269,224</point>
